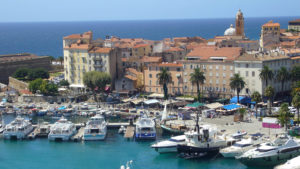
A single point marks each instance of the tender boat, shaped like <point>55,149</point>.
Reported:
<point>294,163</point>
<point>62,130</point>
<point>95,129</point>
<point>203,142</point>
<point>170,145</point>
<point>239,134</point>
<point>122,130</point>
<point>145,128</point>
<point>270,154</point>
<point>17,129</point>
<point>237,149</point>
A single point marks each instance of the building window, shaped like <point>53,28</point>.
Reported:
<point>238,65</point>
<point>224,67</point>
<point>210,73</point>
<point>150,82</point>
<point>253,73</point>
<point>217,67</point>
<point>224,74</point>
<point>217,81</point>
<point>210,67</point>
<point>246,73</point>
<point>191,66</point>
<point>217,74</point>
<point>231,75</point>
<point>150,89</point>
<point>210,81</point>
<point>178,69</point>
<point>156,90</point>
<point>247,65</point>
<point>150,75</point>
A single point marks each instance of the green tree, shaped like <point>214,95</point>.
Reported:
<point>21,73</point>
<point>164,78</point>
<point>269,93</point>
<point>284,115</point>
<point>61,59</point>
<point>197,77</point>
<point>257,98</point>
<point>295,74</point>
<point>34,85</point>
<point>38,73</point>
<point>283,76</point>
<point>266,74</point>
<point>237,83</point>
<point>64,83</point>
<point>296,103</point>
<point>52,89</point>
<point>242,112</point>
<point>96,81</point>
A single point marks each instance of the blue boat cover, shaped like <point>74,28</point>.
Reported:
<point>242,100</point>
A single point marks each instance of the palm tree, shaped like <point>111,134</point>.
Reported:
<point>164,78</point>
<point>61,59</point>
<point>283,75</point>
<point>284,115</point>
<point>197,77</point>
<point>266,74</point>
<point>296,103</point>
<point>269,93</point>
<point>257,98</point>
<point>237,83</point>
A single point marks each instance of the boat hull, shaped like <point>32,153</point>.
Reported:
<point>171,131</point>
<point>145,136</point>
<point>167,149</point>
<point>269,161</point>
<point>59,137</point>
<point>190,151</point>
<point>231,154</point>
<point>16,135</point>
<point>94,137</point>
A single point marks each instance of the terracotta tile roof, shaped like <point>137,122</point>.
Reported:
<point>295,58</point>
<point>260,57</point>
<point>132,70</point>
<point>100,50</point>
<point>78,46</point>
<point>270,23</point>
<point>205,53</point>
<point>123,59</point>
<point>247,41</point>
<point>174,49</point>
<point>25,92</point>
<point>295,21</point>
<point>85,35</point>
<point>290,51</point>
<point>166,64</point>
<point>140,45</point>
<point>287,43</point>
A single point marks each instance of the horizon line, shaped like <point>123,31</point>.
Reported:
<point>112,20</point>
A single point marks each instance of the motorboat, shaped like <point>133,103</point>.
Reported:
<point>62,130</point>
<point>17,129</point>
<point>84,106</point>
<point>202,142</point>
<point>43,129</point>
<point>42,112</point>
<point>145,128</point>
<point>170,145</point>
<point>239,134</point>
<point>293,163</point>
<point>122,130</point>
<point>269,154</point>
<point>95,129</point>
<point>238,148</point>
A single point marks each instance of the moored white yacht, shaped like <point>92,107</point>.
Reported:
<point>17,129</point>
<point>271,153</point>
<point>237,149</point>
<point>95,129</point>
<point>62,130</point>
<point>170,145</point>
<point>145,128</point>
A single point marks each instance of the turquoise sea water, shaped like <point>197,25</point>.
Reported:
<point>109,154</point>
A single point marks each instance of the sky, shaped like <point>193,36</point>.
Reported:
<point>91,10</point>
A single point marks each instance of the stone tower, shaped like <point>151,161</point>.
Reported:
<point>239,23</point>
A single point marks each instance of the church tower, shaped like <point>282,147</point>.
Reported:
<point>239,23</point>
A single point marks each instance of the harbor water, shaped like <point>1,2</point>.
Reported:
<point>109,154</point>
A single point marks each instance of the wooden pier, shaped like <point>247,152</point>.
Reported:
<point>78,136</point>
<point>129,133</point>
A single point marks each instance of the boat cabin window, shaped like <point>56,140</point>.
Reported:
<point>174,140</point>
<point>94,130</point>
<point>265,150</point>
<point>242,145</point>
<point>146,129</point>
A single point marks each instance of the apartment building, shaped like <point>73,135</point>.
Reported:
<point>152,82</point>
<point>218,67</point>
<point>270,34</point>
<point>249,67</point>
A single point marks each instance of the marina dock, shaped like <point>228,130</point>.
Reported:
<point>78,136</point>
<point>33,134</point>
<point>129,133</point>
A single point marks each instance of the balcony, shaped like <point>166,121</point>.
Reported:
<point>98,59</point>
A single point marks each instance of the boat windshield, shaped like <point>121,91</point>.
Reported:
<point>241,145</point>
<point>146,129</point>
<point>177,140</point>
